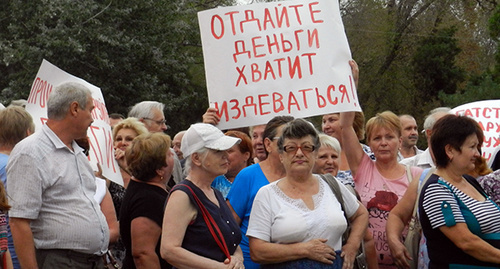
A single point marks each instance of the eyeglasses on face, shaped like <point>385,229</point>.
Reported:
<point>159,122</point>
<point>306,148</point>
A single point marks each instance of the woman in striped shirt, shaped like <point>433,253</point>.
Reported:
<point>461,223</point>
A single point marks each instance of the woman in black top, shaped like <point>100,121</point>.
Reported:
<point>187,241</point>
<point>150,162</point>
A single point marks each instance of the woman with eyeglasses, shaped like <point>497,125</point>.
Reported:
<point>297,221</point>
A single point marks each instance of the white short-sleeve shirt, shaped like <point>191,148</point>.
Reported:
<point>277,218</point>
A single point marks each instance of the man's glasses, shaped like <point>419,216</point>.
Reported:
<point>306,148</point>
<point>159,122</point>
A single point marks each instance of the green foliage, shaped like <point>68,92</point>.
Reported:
<point>134,50</point>
<point>434,64</point>
<point>481,88</point>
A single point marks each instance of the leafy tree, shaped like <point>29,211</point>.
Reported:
<point>134,50</point>
<point>434,64</point>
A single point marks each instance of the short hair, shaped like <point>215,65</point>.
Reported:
<point>146,154</point>
<point>452,130</point>
<point>386,119</point>
<point>116,116</point>
<point>296,129</point>
<point>330,142</point>
<point>130,123</point>
<point>245,145</point>
<point>430,119</point>
<point>188,164</point>
<point>145,109</point>
<point>272,125</point>
<point>15,121</point>
<point>63,95</point>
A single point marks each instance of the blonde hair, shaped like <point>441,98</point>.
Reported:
<point>386,119</point>
<point>130,123</point>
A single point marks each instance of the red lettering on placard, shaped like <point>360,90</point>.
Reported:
<point>220,26</point>
<point>250,17</point>
<point>304,96</point>
<point>320,99</point>
<point>297,14</point>
<point>262,103</point>
<point>98,152</point>
<point>329,93</point>
<point>241,75</point>
<point>40,92</point>
<point>312,37</point>
<point>249,102</point>
<point>235,107</point>
<point>313,12</point>
<point>283,17</point>
<point>255,46</point>
<point>271,44</point>
<point>108,143</point>
<point>256,74</point>
<point>268,19</point>
<point>237,51</point>
<point>277,100</point>
<point>343,90</point>
<point>231,18</point>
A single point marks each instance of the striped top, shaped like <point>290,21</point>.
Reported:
<point>441,204</point>
<point>442,193</point>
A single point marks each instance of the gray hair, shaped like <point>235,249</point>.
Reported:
<point>145,109</point>
<point>330,141</point>
<point>189,164</point>
<point>65,94</point>
<point>431,117</point>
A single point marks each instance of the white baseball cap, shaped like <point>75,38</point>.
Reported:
<point>203,135</point>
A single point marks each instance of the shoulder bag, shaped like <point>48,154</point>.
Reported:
<point>360,260</point>
<point>412,240</point>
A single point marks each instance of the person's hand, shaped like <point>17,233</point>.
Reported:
<point>211,116</point>
<point>120,158</point>
<point>236,262</point>
<point>400,254</point>
<point>349,252</point>
<point>355,71</point>
<point>319,251</point>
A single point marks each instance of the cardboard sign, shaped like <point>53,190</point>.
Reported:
<point>100,136</point>
<point>277,58</point>
<point>487,114</point>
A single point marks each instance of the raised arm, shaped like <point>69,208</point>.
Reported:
<point>350,143</point>
<point>211,116</point>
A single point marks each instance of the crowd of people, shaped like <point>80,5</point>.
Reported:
<point>276,195</point>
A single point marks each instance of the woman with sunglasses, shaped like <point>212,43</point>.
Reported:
<point>297,221</point>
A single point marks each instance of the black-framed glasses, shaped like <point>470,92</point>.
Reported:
<point>159,122</point>
<point>306,148</point>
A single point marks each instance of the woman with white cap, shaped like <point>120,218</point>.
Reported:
<point>199,230</point>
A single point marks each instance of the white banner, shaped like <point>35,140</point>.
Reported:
<point>487,114</point>
<point>100,136</point>
<point>276,58</point>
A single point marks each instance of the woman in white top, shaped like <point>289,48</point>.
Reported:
<point>297,222</point>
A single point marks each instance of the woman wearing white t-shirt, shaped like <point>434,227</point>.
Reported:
<point>297,222</point>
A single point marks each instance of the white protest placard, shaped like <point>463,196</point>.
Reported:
<point>99,133</point>
<point>276,58</point>
<point>487,114</point>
